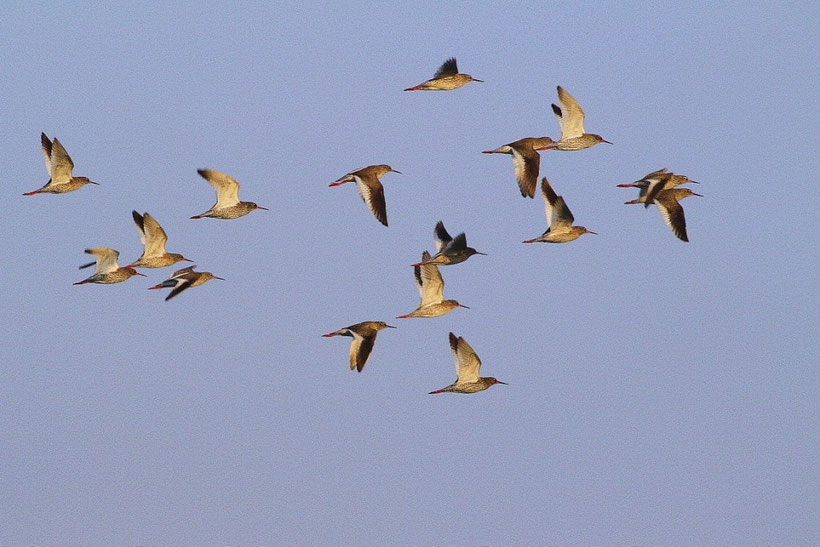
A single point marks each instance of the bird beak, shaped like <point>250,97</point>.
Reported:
<point>390,326</point>
<point>699,195</point>
<point>187,260</point>
<point>463,306</point>
<point>633,202</point>
<point>328,335</point>
<point>220,278</point>
<point>602,140</point>
<point>547,147</point>
<point>263,208</point>
<point>337,183</point>
<point>394,171</point>
<point>137,273</point>
<point>591,232</point>
<point>630,185</point>
<point>92,182</point>
<point>482,254</point>
<point>476,79</point>
<point>693,181</point>
<point>500,382</point>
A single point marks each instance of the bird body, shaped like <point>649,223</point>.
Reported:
<point>571,120</point>
<point>526,161</point>
<point>107,271</point>
<point>227,204</point>
<point>446,78</point>
<point>670,209</point>
<point>559,219</point>
<point>431,290</point>
<point>60,169</point>
<point>184,279</point>
<point>451,250</point>
<point>467,368</point>
<point>153,239</point>
<point>370,188</point>
<point>364,336</point>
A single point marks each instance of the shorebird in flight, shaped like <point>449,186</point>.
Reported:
<point>60,170</point>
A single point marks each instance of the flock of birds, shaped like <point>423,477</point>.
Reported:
<point>658,187</point>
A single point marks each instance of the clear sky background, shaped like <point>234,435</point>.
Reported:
<point>659,392</point>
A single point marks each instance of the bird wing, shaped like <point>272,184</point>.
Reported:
<point>360,349</point>
<point>226,187</point>
<point>372,193</point>
<point>181,285</point>
<point>182,272</point>
<point>570,116</point>
<point>465,358</point>
<point>457,243</point>
<point>657,184</point>
<point>448,68</point>
<point>429,282</point>
<point>440,236</point>
<point>155,236</point>
<point>45,144</point>
<point>558,214</point>
<point>672,214</point>
<point>527,162</point>
<point>61,164</point>
<point>106,258</point>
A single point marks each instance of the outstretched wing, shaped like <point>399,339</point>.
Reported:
<point>559,217</point>
<point>440,236</point>
<point>448,68</point>
<point>672,214</point>
<point>527,162</point>
<point>372,193</point>
<point>226,187</point>
<point>466,361</point>
<point>570,115</point>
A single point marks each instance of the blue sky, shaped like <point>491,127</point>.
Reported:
<point>659,392</point>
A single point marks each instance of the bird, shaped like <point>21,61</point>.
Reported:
<point>370,188</point>
<point>525,160</point>
<point>446,78</point>
<point>183,279</point>
<point>571,120</point>
<point>671,211</point>
<point>227,204</point>
<point>364,336</point>
<point>107,270</point>
<point>431,288</point>
<point>559,219</point>
<point>60,168</point>
<point>153,239</point>
<point>655,182</point>
<point>451,250</point>
<point>467,368</point>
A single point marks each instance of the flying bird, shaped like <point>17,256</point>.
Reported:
<point>671,210</point>
<point>364,336</point>
<point>107,270</point>
<point>183,279</point>
<point>153,239</point>
<point>446,78</point>
<point>227,204</point>
<point>60,169</point>
<point>370,188</point>
<point>526,161</point>
<point>653,183</point>
<point>559,219</point>
<point>431,289</point>
<point>467,369</point>
<point>451,250</point>
<point>571,120</point>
